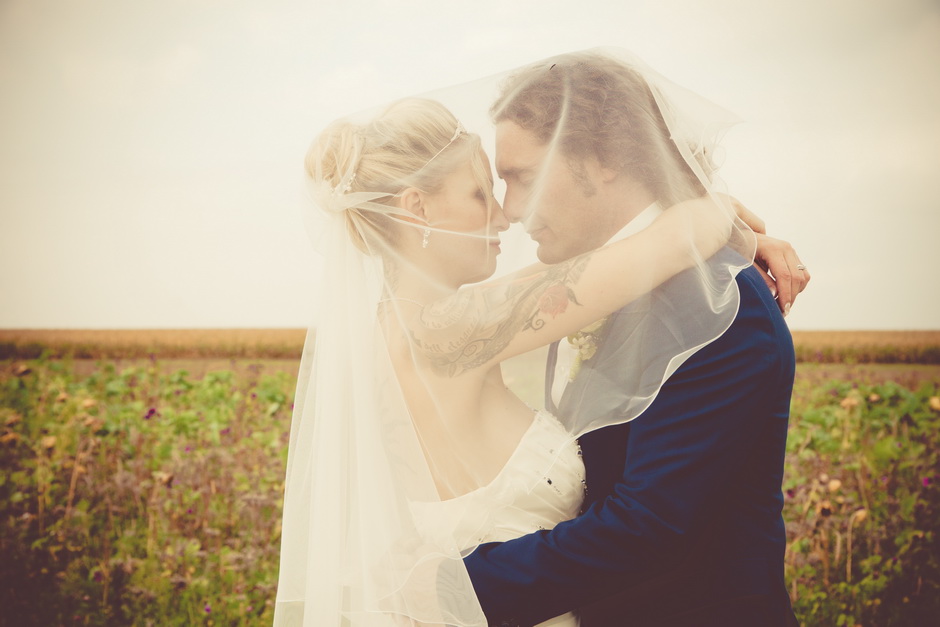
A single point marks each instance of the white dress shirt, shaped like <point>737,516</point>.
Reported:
<point>566,352</point>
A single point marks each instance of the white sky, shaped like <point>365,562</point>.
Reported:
<point>150,151</point>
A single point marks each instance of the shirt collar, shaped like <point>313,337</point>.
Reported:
<point>638,223</point>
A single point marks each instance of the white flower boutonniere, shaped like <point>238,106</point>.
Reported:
<point>585,342</point>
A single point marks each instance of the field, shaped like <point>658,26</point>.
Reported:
<point>142,485</point>
<point>917,347</point>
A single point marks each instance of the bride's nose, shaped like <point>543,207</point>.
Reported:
<point>498,218</point>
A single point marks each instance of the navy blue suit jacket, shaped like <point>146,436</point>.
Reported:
<point>684,503</point>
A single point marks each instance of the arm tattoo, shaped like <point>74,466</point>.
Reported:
<point>470,328</point>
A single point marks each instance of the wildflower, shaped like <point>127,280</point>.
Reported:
<point>88,403</point>
<point>934,403</point>
<point>48,441</point>
<point>150,413</point>
<point>98,576</point>
<point>188,449</point>
<point>834,485</point>
<point>791,493</point>
<point>926,481</point>
<point>225,431</point>
<point>873,398</point>
<point>849,402</point>
<point>208,608</point>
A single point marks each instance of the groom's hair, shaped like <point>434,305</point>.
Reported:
<point>597,106</point>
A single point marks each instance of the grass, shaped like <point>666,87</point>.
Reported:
<point>148,491</point>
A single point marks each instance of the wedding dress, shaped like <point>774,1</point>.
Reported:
<point>541,485</point>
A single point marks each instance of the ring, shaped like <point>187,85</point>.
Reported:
<point>800,267</point>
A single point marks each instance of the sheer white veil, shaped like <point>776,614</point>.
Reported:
<point>378,430</point>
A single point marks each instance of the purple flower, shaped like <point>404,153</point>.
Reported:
<point>791,493</point>
<point>884,478</point>
<point>189,510</point>
<point>150,413</point>
<point>98,576</point>
<point>226,431</point>
<point>253,395</point>
<point>251,608</point>
<point>188,449</point>
<point>208,608</point>
<point>926,481</point>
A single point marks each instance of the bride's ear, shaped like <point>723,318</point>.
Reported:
<point>412,201</point>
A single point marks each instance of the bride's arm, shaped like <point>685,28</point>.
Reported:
<point>485,324</point>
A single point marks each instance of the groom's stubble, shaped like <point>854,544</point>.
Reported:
<point>568,205</point>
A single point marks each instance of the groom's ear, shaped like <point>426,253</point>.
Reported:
<point>412,201</point>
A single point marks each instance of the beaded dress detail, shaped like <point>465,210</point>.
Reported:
<point>541,485</point>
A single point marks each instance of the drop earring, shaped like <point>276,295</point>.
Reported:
<point>426,238</point>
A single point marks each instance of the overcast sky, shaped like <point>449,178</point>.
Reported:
<point>150,151</point>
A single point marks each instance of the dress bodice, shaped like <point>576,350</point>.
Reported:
<point>541,485</point>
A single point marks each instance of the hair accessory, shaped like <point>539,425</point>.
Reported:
<point>337,198</point>
<point>426,239</point>
<point>458,131</point>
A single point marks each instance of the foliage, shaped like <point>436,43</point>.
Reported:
<point>140,498</point>
<point>138,495</point>
<point>863,503</point>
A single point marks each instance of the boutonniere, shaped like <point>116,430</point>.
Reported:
<point>585,342</point>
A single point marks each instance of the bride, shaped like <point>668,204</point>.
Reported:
<point>407,449</point>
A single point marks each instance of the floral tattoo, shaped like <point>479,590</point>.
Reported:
<point>474,325</point>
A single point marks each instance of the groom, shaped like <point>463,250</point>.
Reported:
<point>682,520</point>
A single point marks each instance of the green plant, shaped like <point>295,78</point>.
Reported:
<point>137,498</point>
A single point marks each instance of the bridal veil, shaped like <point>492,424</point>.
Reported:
<point>372,441</point>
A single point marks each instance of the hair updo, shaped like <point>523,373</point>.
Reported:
<point>412,143</point>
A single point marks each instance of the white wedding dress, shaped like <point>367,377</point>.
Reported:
<point>541,485</point>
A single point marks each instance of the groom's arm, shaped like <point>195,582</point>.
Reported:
<point>682,453</point>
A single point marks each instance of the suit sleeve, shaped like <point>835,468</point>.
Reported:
<point>681,454</point>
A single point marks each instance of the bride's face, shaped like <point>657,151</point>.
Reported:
<point>465,207</point>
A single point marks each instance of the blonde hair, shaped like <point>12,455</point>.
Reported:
<point>413,143</point>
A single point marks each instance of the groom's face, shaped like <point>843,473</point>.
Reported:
<point>558,199</point>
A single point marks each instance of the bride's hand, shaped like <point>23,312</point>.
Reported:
<point>775,259</point>
<point>780,266</point>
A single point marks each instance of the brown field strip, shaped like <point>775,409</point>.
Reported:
<point>811,346</point>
